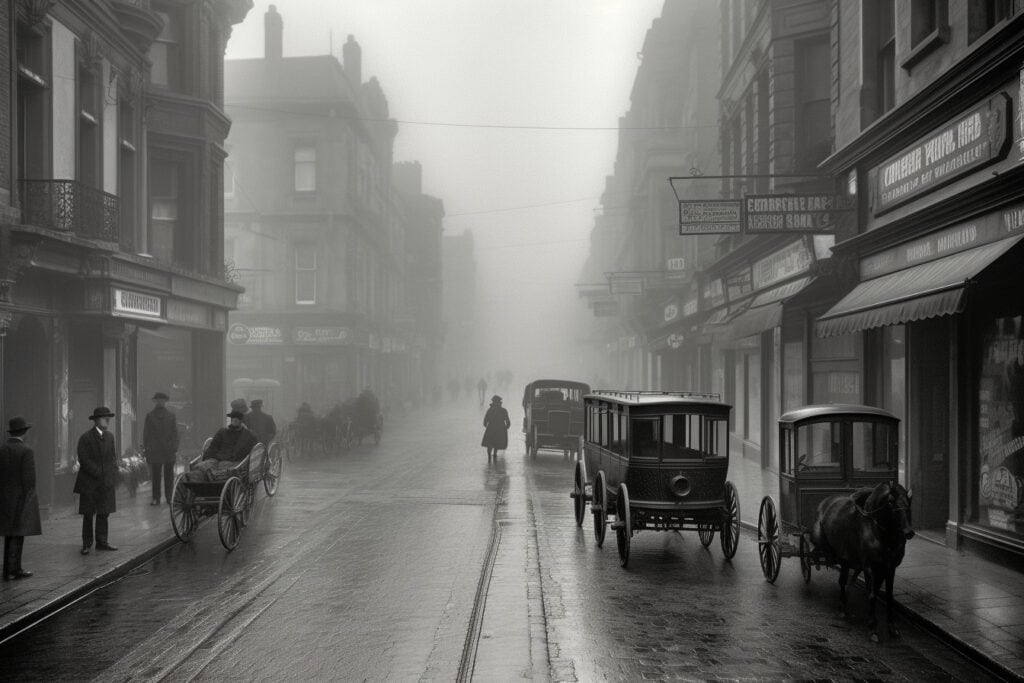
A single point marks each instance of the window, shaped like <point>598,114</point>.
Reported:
<point>127,170</point>
<point>886,72</point>
<point>924,20</point>
<point>618,429</point>
<point>819,447</point>
<point>873,446</point>
<point>814,101</point>
<point>878,49</point>
<point>716,438</point>
<point>305,274</point>
<point>34,76</point>
<point>681,437</point>
<point>646,433</point>
<point>90,123</point>
<point>164,205</point>
<point>305,169</point>
<point>166,51</point>
<point>983,15</point>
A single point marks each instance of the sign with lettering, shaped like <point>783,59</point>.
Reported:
<point>674,264</point>
<point>713,293</point>
<point>959,237</point>
<point>974,140</point>
<point>188,313</point>
<point>322,336</point>
<point>129,304</point>
<point>795,213</point>
<point>709,216</point>
<point>255,335</point>
<point>671,312</point>
<point>791,260</point>
<point>738,284</point>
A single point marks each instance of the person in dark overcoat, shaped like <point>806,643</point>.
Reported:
<point>261,424</point>
<point>496,424</point>
<point>160,439</point>
<point>96,484</point>
<point>19,507</point>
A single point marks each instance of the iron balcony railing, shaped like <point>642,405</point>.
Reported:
<point>70,206</point>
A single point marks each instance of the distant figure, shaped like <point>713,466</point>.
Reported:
<point>261,424</point>
<point>496,424</point>
<point>19,507</point>
<point>160,440</point>
<point>96,484</point>
<point>481,390</point>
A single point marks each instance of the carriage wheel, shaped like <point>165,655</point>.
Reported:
<point>729,533</point>
<point>768,539</point>
<point>623,524</point>
<point>706,533</point>
<point>598,509</point>
<point>230,512</point>
<point>184,516</point>
<point>273,474</point>
<point>805,557</point>
<point>579,492</point>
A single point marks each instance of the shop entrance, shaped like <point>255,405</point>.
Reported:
<point>930,414</point>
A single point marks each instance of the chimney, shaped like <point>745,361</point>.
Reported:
<point>273,32</point>
<point>352,55</point>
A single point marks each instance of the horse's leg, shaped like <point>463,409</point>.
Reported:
<point>873,581</point>
<point>844,574</point>
<point>890,577</point>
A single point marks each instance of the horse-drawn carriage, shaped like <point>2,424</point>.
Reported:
<point>230,498</point>
<point>553,416</point>
<point>659,461</point>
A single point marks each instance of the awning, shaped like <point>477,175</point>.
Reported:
<point>765,310</point>
<point>924,291</point>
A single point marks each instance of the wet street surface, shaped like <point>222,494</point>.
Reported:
<point>366,566</point>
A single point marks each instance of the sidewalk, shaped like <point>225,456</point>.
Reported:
<point>62,574</point>
<point>975,605</point>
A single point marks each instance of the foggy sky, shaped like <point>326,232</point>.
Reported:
<point>484,64</point>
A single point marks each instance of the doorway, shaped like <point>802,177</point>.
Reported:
<point>930,414</point>
<point>27,392</point>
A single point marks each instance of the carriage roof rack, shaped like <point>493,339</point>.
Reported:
<point>635,395</point>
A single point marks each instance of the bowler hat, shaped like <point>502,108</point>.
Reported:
<point>102,411</point>
<point>240,405</point>
<point>18,425</point>
<point>256,403</point>
<point>495,399</point>
<point>236,413</point>
<point>160,396</point>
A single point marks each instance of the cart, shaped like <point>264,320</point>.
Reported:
<point>824,450</point>
<point>553,416</point>
<point>659,461</point>
<point>231,499</point>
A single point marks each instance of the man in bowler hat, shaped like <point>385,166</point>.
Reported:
<point>19,507</point>
<point>261,424</point>
<point>228,447</point>
<point>96,484</point>
<point>160,439</point>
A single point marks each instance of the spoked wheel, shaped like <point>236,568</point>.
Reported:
<point>729,534</point>
<point>184,516</point>
<point>231,512</point>
<point>805,557</point>
<point>768,539</point>
<point>598,508</point>
<point>623,524</point>
<point>706,533</point>
<point>272,476</point>
<point>579,492</point>
<point>250,500</point>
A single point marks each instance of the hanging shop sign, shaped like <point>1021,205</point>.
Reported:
<point>675,264</point>
<point>675,340</point>
<point>792,259</point>
<point>671,312</point>
<point>713,293</point>
<point>255,335</point>
<point>322,336</point>
<point>129,304</point>
<point>794,213</point>
<point>971,141</point>
<point>738,284</point>
<point>709,216</point>
<point>606,308</point>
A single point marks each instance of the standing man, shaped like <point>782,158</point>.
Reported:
<point>96,484</point>
<point>259,423</point>
<point>160,439</point>
<point>19,507</point>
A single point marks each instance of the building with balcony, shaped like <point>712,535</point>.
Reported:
<point>112,283</point>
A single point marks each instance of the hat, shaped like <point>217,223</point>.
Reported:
<point>240,405</point>
<point>18,425</point>
<point>160,396</point>
<point>236,413</point>
<point>495,399</point>
<point>256,403</point>
<point>102,411</point>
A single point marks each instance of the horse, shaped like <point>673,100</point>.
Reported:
<point>866,531</point>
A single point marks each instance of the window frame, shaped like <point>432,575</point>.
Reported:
<point>174,57</point>
<point>308,164</point>
<point>309,271</point>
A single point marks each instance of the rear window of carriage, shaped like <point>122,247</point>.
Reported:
<point>693,437</point>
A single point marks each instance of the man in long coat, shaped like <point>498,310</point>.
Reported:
<point>261,424</point>
<point>96,484</point>
<point>160,439</point>
<point>19,507</point>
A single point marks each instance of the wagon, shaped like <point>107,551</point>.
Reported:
<point>230,500</point>
<point>658,461</point>
<point>824,450</point>
<point>553,416</point>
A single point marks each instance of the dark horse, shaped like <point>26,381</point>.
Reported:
<point>866,531</point>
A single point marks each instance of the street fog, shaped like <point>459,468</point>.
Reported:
<point>512,109</point>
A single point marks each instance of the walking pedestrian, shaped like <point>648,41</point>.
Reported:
<point>160,439</point>
<point>481,389</point>
<point>260,423</point>
<point>496,424</point>
<point>96,484</point>
<point>19,507</point>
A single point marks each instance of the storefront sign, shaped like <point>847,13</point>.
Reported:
<point>709,216</point>
<point>188,313</point>
<point>959,237</point>
<point>323,336</point>
<point>671,312</point>
<point>606,308</point>
<point>136,304</point>
<point>791,260</point>
<point>675,340</point>
<point>713,293</point>
<point>794,213</point>
<point>622,285</point>
<point>691,306</point>
<point>675,264</point>
<point>255,335</point>
<point>969,142</point>
<point>738,284</point>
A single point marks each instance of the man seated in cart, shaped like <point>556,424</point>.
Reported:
<point>229,447</point>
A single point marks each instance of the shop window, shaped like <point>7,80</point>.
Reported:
<point>164,209</point>
<point>305,274</point>
<point>984,15</point>
<point>818,447</point>
<point>814,101</point>
<point>34,87</point>
<point>305,168</point>
<point>90,124</point>
<point>166,51</point>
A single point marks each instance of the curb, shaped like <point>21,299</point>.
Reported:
<point>8,631</point>
<point>969,651</point>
